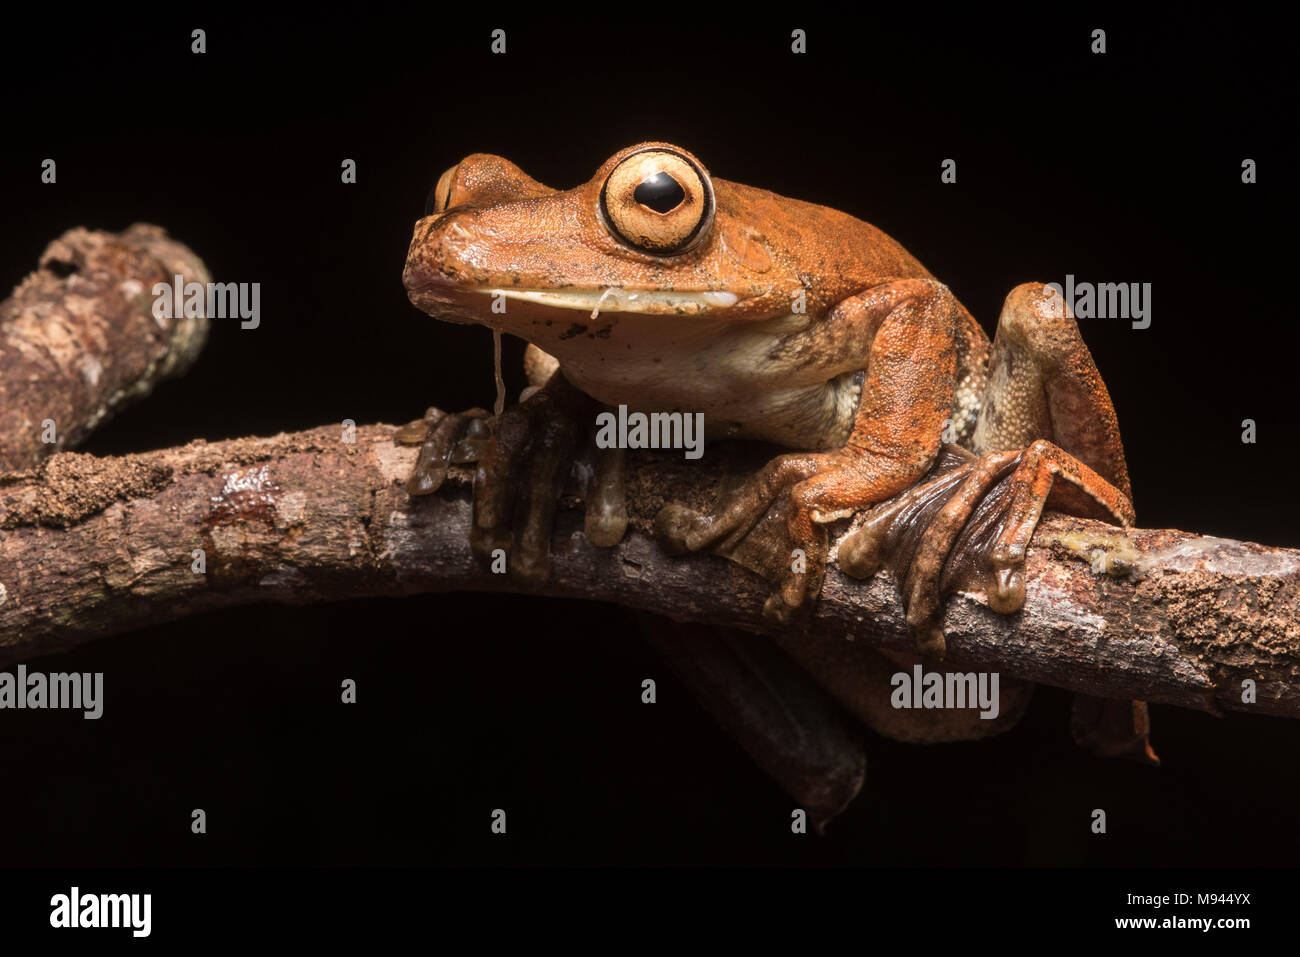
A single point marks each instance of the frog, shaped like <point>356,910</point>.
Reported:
<point>659,287</point>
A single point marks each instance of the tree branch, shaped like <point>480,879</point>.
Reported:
<point>96,546</point>
<point>78,338</point>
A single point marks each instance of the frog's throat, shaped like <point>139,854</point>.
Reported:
<point>619,299</point>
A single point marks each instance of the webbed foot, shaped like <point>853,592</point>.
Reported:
<point>775,524</point>
<point>967,527</point>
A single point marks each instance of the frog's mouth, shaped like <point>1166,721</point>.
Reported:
<point>460,301</point>
<point>620,299</point>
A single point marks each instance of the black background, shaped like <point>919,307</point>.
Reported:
<point>1122,167</point>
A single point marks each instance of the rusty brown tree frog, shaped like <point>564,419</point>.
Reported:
<point>657,286</point>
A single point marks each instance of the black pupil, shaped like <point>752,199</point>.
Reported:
<point>659,192</point>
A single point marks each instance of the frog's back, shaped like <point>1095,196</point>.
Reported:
<point>846,255</point>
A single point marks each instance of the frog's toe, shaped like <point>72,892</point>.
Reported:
<point>796,590</point>
<point>990,552</point>
<point>740,511</point>
<point>673,525</point>
<point>414,433</point>
<point>538,498</point>
<point>772,524</point>
<point>967,527</point>
<point>444,439</point>
<point>521,477</point>
<point>1113,728</point>
<point>605,521</point>
<point>931,537</point>
<point>882,533</point>
<point>496,482</point>
<point>777,610</point>
<point>1006,584</point>
<point>937,554</point>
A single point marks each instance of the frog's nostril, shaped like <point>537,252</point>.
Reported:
<point>411,278</point>
<point>419,274</point>
<point>443,252</point>
<point>422,274</point>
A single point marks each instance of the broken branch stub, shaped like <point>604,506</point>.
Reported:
<point>79,339</point>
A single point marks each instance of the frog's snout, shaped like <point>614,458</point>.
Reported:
<point>412,280</point>
<point>431,259</point>
<point>440,276</point>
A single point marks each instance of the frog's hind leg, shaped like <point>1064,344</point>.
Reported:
<point>1043,384</point>
<point>1046,436</point>
<point>793,729</point>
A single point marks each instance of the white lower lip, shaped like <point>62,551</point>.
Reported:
<point>617,299</point>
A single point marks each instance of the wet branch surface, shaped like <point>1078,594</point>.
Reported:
<point>95,546</point>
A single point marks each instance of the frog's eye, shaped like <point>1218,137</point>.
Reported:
<point>440,196</point>
<point>657,201</point>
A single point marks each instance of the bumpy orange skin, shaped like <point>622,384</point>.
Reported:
<point>784,321</point>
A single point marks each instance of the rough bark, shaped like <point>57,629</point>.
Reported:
<point>96,546</point>
<point>78,338</point>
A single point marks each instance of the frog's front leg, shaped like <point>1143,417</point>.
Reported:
<point>524,458</point>
<point>904,334</point>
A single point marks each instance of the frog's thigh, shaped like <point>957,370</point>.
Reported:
<point>791,727</point>
<point>1043,384</point>
<point>874,701</point>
